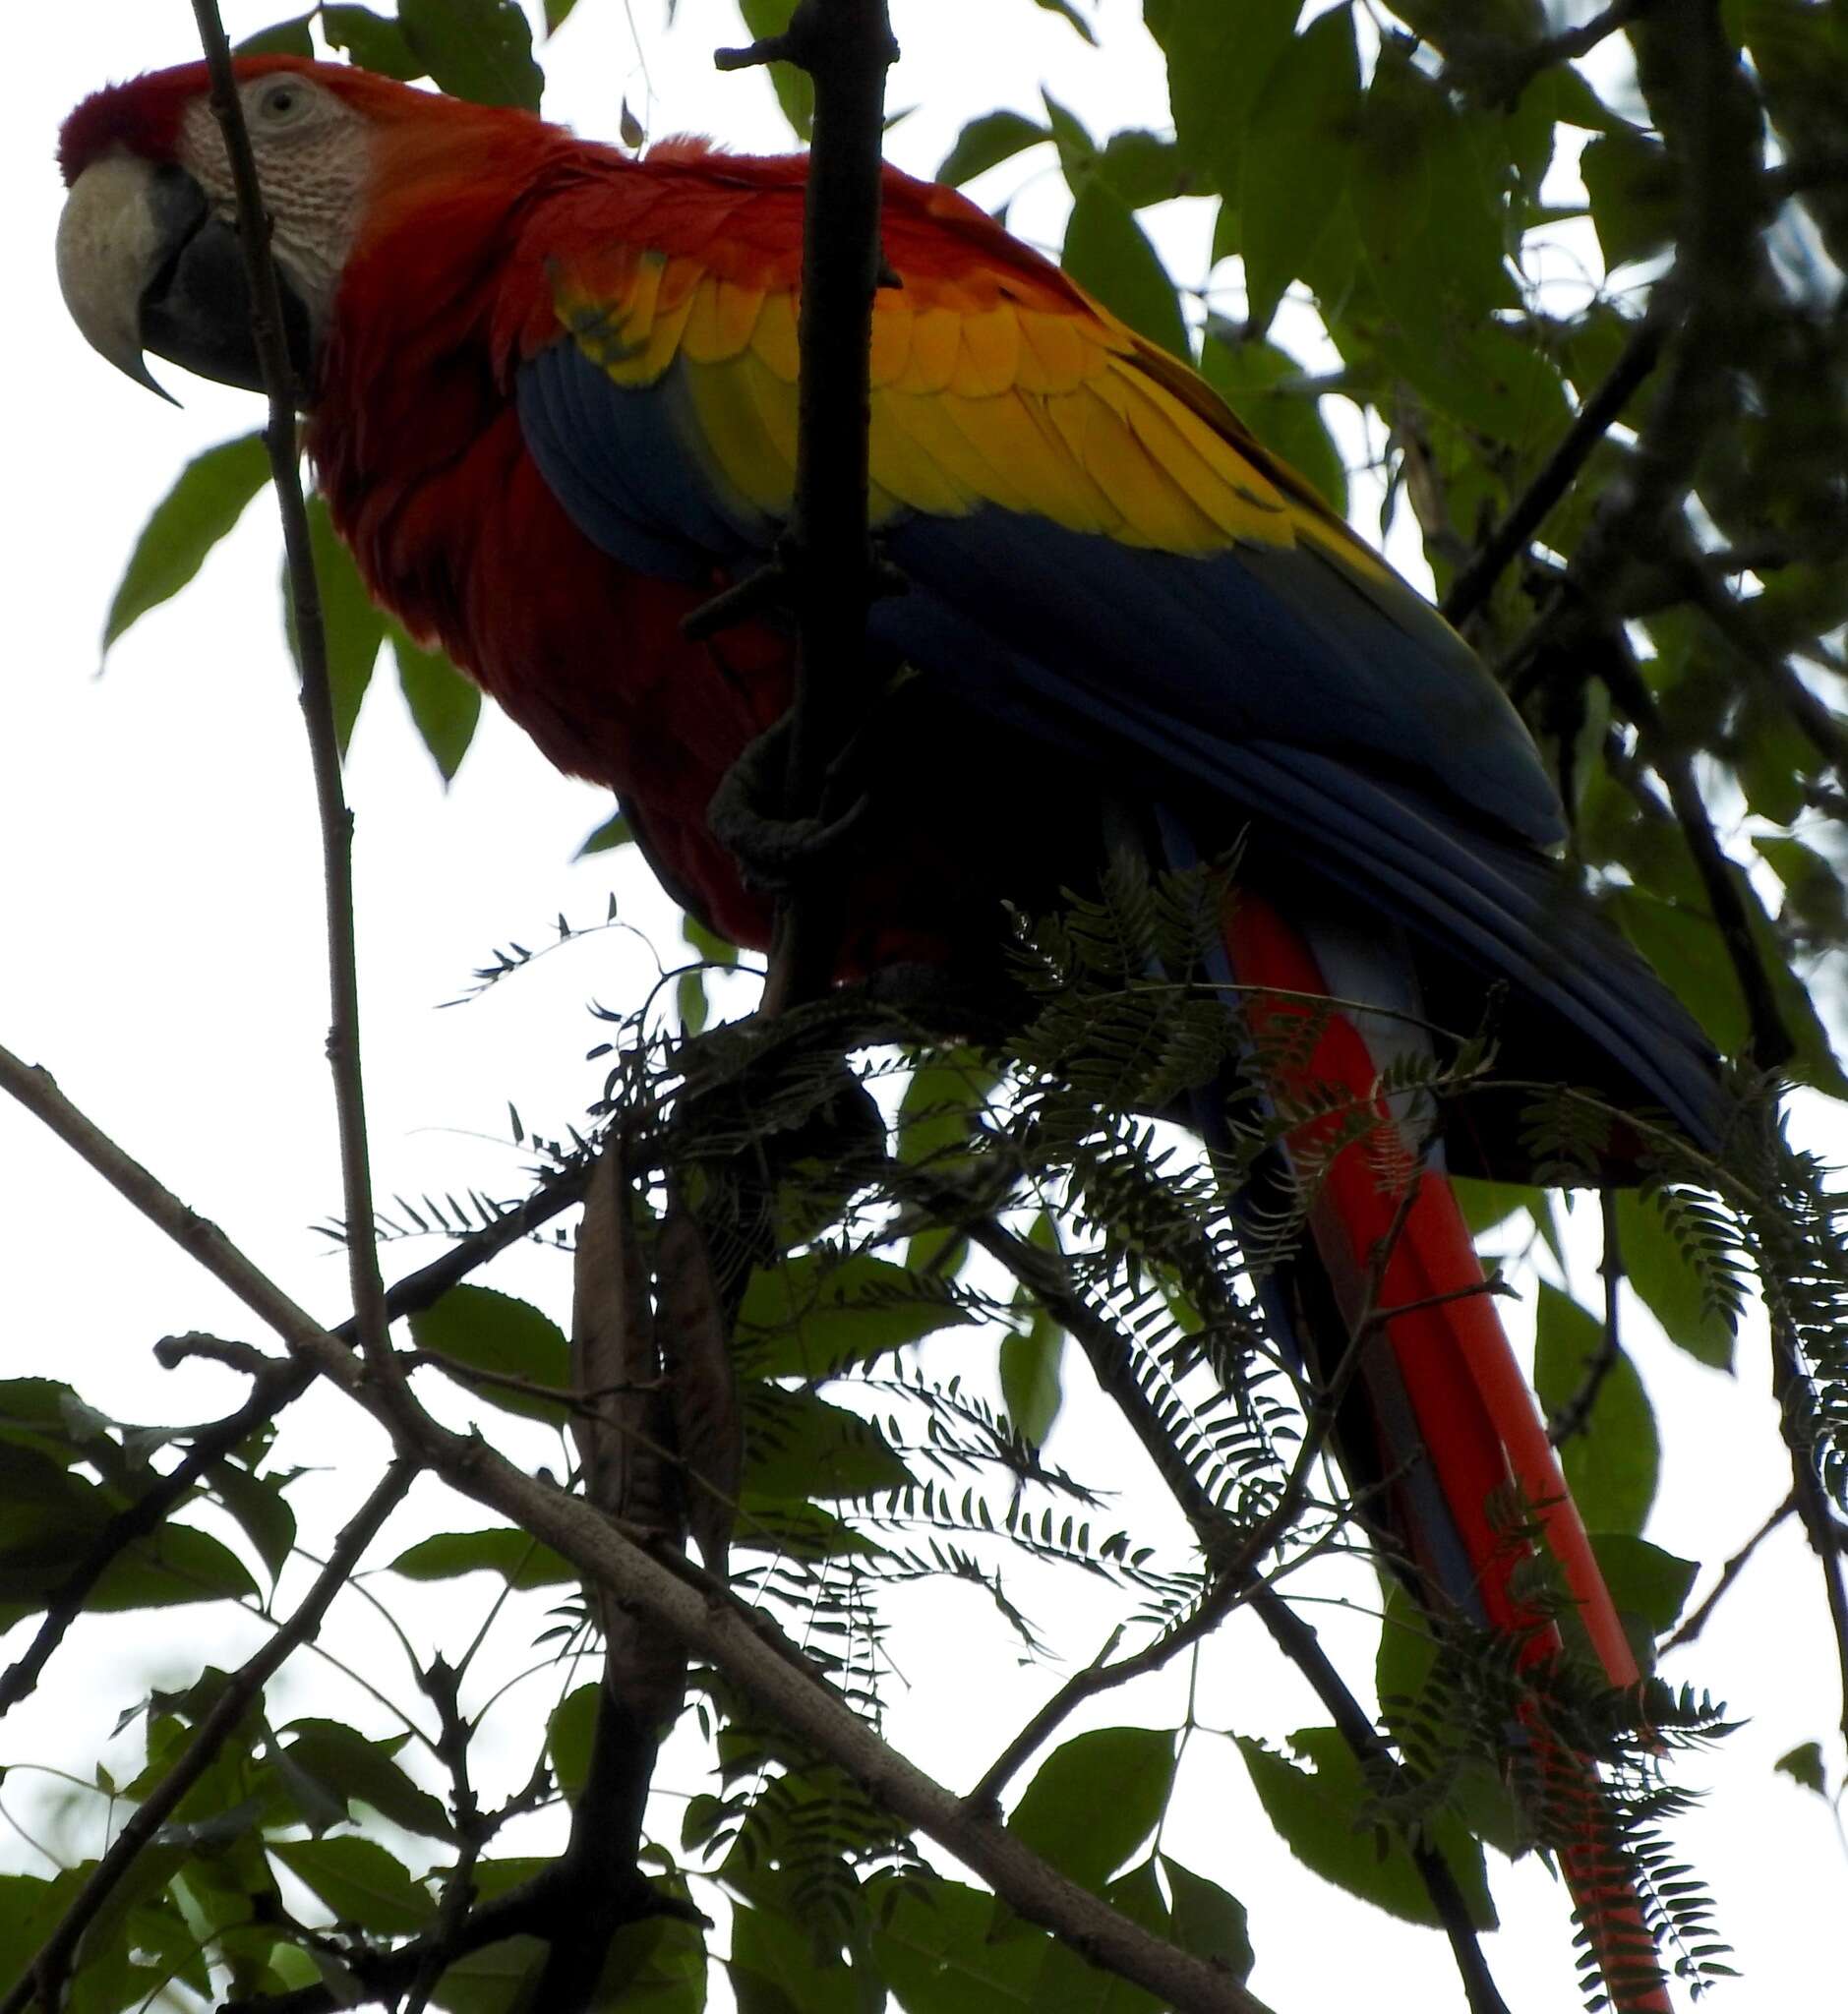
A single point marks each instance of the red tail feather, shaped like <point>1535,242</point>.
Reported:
<point>1474,1415</point>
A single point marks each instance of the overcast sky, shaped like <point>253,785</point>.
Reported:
<point>161,952</point>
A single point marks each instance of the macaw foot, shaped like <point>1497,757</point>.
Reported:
<point>772,850</point>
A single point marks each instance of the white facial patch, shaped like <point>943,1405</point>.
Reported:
<point>313,161</point>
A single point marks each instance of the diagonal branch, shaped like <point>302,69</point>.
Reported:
<point>1237,1580</point>
<point>42,1981</point>
<point>684,1602</point>
<point>280,1382</point>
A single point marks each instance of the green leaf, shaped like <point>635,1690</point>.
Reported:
<point>287,38</point>
<point>1071,14</point>
<point>1643,1579</point>
<point>1298,147</point>
<point>1667,1283</point>
<point>485,1331</point>
<point>202,505</point>
<point>1635,204</point>
<point>809,1316</point>
<point>372,42</point>
<point>352,623</point>
<point>794,88</point>
<point>1244,374</point>
<point>932,1943</point>
<point>257,1504</point>
<point>1612,1465</point>
<point>943,1100</point>
<point>1485,1204</point>
<point>1108,253</point>
<point>570,1733</point>
<point>1804,1766</point>
<point>176,1565</point>
<point>985,143</point>
<point>1069,1983</point>
<point>691,1003</point>
<point>445,705</point>
<point>1030,1377</point>
<point>1144,168</point>
<point>774,1967</point>
<point>1095,1799</point>
<point>346,1766</point>
<point>558,12</point>
<point>1427,202</point>
<point>519,1560</point>
<point>1219,59</point>
<point>360,1882</point>
<point>1684,940</point>
<point>612,833</point>
<point>1814,900</point>
<point>796,1446</point>
<point>1322,1814</point>
<point>480,49</point>
<point>502,1980</point>
<point>1207,1920</point>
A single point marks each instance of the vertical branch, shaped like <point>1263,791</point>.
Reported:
<point>336,821</point>
<point>827,556</point>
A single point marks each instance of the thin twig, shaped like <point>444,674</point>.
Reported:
<point>1730,1572</point>
<point>1827,1537</point>
<point>316,693</point>
<point>1506,69</point>
<point>1575,1415</point>
<point>1529,511</point>
<point>1237,1581</point>
<point>44,1980</point>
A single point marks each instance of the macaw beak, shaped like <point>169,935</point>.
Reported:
<point>144,265</point>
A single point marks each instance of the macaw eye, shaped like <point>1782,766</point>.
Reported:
<point>280,102</point>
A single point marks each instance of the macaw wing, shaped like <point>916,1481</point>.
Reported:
<point>1097,552</point>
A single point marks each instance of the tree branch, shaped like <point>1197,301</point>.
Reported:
<point>317,695</point>
<point>1825,1536</point>
<point>44,1980</point>
<point>684,1601</point>
<point>1594,419</point>
<point>1698,1620</point>
<point>826,557</point>
<point>1573,1417</point>
<point>1237,1581</point>
<point>279,1382</point>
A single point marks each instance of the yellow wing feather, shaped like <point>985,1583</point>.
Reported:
<point>977,398</point>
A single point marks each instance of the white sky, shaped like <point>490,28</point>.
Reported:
<point>161,952</point>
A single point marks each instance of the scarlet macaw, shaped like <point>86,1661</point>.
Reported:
<point>552,402</point>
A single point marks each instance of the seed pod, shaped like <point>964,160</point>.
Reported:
<point>702,1388</point>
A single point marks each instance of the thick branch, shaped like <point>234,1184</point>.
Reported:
<point>44,1980</point>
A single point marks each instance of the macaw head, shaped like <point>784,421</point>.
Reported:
<point>147,251</point>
